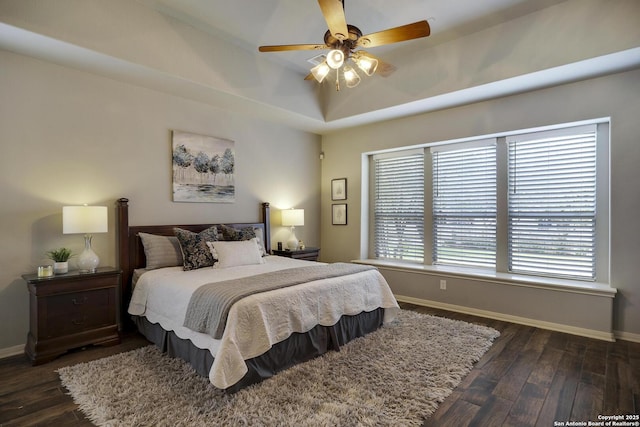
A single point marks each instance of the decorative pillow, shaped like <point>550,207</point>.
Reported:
<point>161,251</point>
<point>260,236</point>
<point>236,234</point>
<point>235,253</point>
<point>195,252</point>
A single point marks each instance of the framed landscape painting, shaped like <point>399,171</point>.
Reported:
<point>203,168</point>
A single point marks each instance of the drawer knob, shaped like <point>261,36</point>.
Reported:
<point>79,322</point>
<point>79,301</point>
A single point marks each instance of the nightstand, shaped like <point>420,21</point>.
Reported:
<point>72,310</point>
<point>309,254</point>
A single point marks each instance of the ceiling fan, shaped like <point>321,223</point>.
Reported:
<point>344,39</point>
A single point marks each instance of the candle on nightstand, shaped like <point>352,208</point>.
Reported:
<point>45,271</point>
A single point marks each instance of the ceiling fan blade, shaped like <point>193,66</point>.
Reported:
<point>333,11</point>
<point>384,68</point>
<point>309,76</point>
<point>394,35</point>
<point>285,47</point>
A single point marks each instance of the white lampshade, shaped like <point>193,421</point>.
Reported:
<point>84,219</point>
<point>293,217</point>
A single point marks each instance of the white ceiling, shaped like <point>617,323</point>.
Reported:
<point>458,27</point>
<point>252,23</point>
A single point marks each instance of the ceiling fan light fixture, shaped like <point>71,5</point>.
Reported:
<point>351,77</point>
<point>343,39</point>
<point>320,71</point>
<point>367,64</point>
<point>335,58</point>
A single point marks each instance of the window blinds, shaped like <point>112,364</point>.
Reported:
<point>464,204</point>
<point>399,206</point>
<point>552,203</point>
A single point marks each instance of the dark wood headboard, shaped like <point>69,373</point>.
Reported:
<point>131,252</point>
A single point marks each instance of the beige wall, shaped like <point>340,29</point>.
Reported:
<point>73,137</point>
<point>617,96</point>
<point>70,137</point>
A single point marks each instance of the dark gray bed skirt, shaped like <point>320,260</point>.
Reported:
<point>298,348</point>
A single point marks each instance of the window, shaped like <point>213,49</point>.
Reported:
<point>464,204</point>
<point>399,206</point>
<point>531,203</point>
<point>552,203</point>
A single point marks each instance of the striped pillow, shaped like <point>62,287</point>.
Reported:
<point>161,251</point>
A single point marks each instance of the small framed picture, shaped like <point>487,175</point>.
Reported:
<point>339,189</point>
<point>339,214</point>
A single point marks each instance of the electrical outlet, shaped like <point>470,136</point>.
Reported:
<point>443,285</point>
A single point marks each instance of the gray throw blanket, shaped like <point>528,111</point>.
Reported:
<point>210,304</point>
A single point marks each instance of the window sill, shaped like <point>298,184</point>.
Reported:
<point>549,283</point>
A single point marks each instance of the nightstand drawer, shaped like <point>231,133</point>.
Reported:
<point>74,285</point>
<point>76,312</point>
<point>307,256</point>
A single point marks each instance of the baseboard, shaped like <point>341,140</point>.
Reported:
<point>558,327</point>
<point>627,336</point>
<point>11,351</point>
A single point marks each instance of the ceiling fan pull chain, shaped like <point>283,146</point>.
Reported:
<point>337,81</point>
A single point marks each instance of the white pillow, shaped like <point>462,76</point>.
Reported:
<point>260,237</point>
<point>235,253</point>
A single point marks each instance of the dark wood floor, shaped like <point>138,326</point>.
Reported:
<point>529,377</point>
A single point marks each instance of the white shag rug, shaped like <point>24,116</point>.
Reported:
<point>394,376</point>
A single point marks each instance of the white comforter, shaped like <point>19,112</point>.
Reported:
<point>259,321</point>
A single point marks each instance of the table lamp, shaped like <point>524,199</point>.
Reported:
<point>85,220</point>
<point>292,218</point>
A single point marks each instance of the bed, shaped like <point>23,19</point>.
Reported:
<point>261,332</point>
